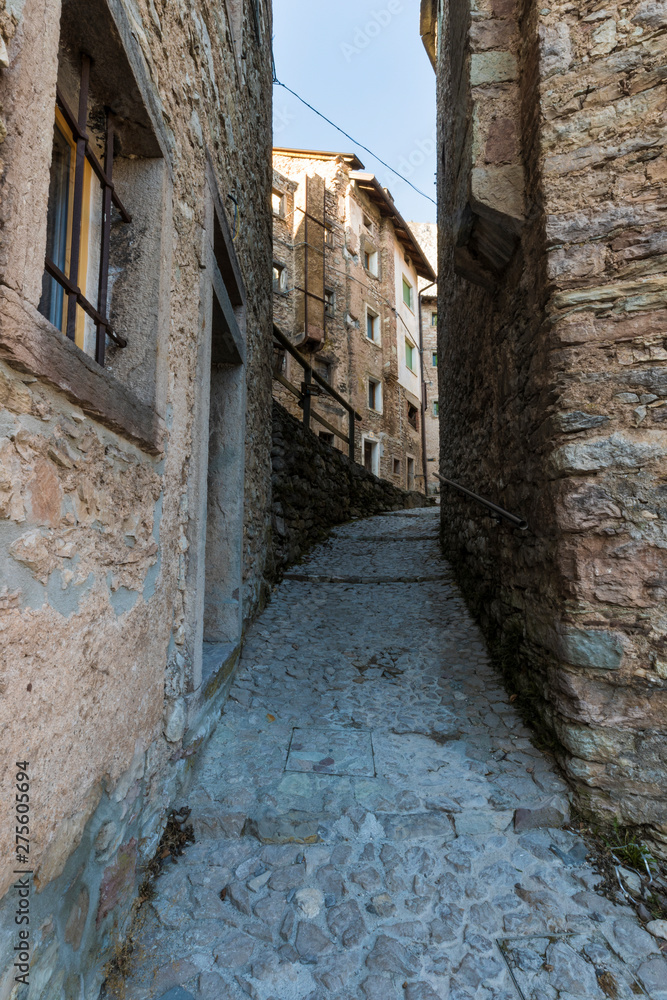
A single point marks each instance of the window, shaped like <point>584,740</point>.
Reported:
<point>435,407</point>
<point>372,326</point>
<point>371,456</point>
<point>278,203</point>
<point>329,301</point>
<point>280,278</point>
<point>412,415</point>
<point>323,369</point>
<point>411,473</point>
<point>434,359</point>
<point>371,261</point>
<point>76,268</point>
<point>397,466</point>
<point>279,359</point>
<point>328,235</point>
<point>410,355</point>
<point>374,395</point>
<point>434,319</point>
<point>326,437</point>
<point>407,293</point>
<point>367,222</point>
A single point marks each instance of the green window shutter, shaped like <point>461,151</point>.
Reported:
<point>407,293</point>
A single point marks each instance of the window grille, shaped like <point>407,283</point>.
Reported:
<point>66,234</point>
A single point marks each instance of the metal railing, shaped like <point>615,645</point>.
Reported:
<point>500,512</point>
<point>308,390</point>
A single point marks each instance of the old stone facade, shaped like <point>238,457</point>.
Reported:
<point>121,614</point>
<point>552,368</point>
<point>427,235</point>
<point>346,275</point>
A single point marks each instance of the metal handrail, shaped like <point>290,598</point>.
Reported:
<point>304,394</point>
<point>518,522</point>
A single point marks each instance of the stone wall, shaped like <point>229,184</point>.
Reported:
<point>552,369</point>
<point>316,487</point>
<point>103,470</point>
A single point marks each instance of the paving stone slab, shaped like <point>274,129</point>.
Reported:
<point>331,751</point>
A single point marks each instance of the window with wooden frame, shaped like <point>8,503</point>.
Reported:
<point>329,301</point>
<point>410,351</point>
<point>412,416</point>
<point>371,262</point>
<point>407,293</point>
<point>372,326</point>
<point>278,203</point>
<point>280,278</point>
<point>375,395</point>
<point>81,194</point>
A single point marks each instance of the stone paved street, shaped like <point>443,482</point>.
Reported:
<point>372,821</point>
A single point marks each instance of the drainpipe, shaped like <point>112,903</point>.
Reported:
<point>421,362</point>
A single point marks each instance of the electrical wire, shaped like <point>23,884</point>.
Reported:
<point>278,83</point>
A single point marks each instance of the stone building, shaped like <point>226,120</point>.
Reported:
<point>134,264</point>
<point>427,236</point>
<point>346,279</point>
<point>553,383</point>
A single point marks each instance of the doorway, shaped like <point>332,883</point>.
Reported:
<point>215,609</point>
<point>371,456</point>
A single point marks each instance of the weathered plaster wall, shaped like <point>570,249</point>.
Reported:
<point>316,487</point>
<point>552,377</point>
<point>97,533</point>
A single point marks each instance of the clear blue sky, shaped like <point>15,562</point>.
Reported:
<point>362,64</point>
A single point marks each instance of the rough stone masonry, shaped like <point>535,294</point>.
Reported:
<point>553,384</point>
<point>103,469</point>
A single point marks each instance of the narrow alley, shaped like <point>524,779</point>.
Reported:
<point>371,818</point>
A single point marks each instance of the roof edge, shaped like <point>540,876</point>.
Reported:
<point>428,29</point>
<point>320,154</point>
<point>421,261</point>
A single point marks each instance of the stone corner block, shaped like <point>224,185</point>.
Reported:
<point>599,649</point>
<point>498,189</point>
<point>492,67</point>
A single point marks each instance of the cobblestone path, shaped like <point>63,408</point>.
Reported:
<point>356,809</point>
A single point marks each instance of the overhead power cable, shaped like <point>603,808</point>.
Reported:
<point>355,141</point>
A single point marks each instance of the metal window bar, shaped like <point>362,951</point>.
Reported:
<point>499,512</point>
<point>79,128</point>
<point>304,394</point>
